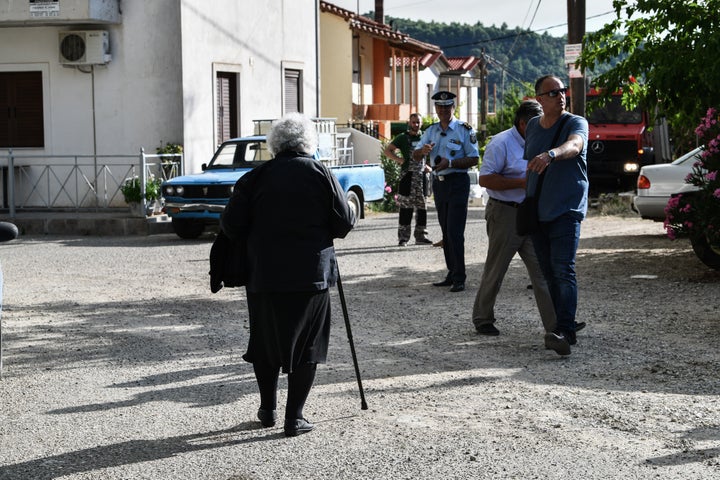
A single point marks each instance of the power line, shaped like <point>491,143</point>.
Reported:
<point>519,34</point>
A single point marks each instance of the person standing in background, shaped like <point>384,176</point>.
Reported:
<point>502,173</point>
<point>452,147</point>
<point>562,204</point>
<point>412,188</point>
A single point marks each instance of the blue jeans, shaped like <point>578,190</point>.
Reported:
<point>556,244</point>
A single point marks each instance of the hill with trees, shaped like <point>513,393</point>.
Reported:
<point>514,55</point>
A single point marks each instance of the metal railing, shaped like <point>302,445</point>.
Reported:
<point>79,183</point>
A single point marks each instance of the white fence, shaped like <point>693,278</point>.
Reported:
<point>78,182</point>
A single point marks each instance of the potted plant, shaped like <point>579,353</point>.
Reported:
<point>133,194</point>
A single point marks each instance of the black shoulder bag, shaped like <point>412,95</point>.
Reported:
<point>526,221</point>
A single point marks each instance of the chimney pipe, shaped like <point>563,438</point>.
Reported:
<point>379,13</point>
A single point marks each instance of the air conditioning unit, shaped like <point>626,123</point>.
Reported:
<point>88,47</point>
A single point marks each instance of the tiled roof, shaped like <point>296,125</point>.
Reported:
<point>375,29</point>
<point>462,63</point>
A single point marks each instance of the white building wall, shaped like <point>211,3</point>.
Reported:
<point>159,86</point>
<point>255,39</point>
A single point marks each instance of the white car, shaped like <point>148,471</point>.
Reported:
<point>656,183</point>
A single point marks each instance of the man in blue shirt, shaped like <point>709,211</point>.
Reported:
<point>562,203</point>
<point>502,173</point>
<point>452,148</point>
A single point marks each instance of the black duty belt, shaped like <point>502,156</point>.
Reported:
<point>441,178</point>
<point>505,202</point>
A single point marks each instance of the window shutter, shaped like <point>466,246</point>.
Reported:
<point>21,110</point>
<point>293,93</point>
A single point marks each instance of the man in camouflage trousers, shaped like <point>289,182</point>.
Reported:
<point>412,192</point>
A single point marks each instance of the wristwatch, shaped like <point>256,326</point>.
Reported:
<point>551,154</point>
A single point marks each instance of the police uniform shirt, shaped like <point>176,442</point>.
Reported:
<point>458,141</point>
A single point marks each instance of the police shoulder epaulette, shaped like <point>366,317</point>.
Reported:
<point>467,125</point>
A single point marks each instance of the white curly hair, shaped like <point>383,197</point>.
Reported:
<point>294,132</point>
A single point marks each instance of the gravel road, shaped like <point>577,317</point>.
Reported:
<point>120,364</point>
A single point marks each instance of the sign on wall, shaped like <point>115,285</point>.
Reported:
<point>44,8</point>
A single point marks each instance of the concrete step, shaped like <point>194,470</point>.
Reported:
<point>88,223</point>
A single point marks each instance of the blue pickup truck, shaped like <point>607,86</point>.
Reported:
<point>196,201</point>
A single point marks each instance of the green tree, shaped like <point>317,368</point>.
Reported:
<point>667,59</point>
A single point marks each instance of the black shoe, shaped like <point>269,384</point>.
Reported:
<point>297,426</point>
<point>579,326</point>
<point>445,283</point>
<point>457,287</point>
<point>267,417</point>
<point>557,341</point>
<point>402,244</point>
<point>487,329</point>
<point>571,338</point>
<point>423,240</point>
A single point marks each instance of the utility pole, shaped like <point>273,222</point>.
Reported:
<point>482,134</point>
<point>576,32</point>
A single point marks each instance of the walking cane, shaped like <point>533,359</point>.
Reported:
<point>363,403</point>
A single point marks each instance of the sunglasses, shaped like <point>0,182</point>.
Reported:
<point>554,93</point>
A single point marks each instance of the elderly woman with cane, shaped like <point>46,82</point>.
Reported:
<point>287,212</point>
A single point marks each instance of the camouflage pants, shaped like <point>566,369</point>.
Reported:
<point>417,198</point>
<point>408,203</point>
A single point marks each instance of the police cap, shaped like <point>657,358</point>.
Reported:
<point>444,97</point>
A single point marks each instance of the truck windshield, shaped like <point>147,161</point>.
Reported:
<point>614,112</point>
<point>240,155</point>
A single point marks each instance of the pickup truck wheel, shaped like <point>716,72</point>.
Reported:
<point>355,205</point>
<point>187,229</point>
<point>707,253</point>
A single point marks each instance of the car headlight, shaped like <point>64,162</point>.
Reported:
<point>179,190</point>
<point>631,167</point>
<point>169,190</point>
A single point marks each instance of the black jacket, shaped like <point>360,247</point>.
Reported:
<point>289,209</point>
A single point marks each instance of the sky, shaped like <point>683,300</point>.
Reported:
<point>535,15</point>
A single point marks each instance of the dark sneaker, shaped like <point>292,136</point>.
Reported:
<point>402,244</point>
<point>297,426</point>
<point>267,417</point>
<point>423,240</point>
<point>556,341</point>
<point>487,329</point>
<point>457,287</point>
<point>579,326</point>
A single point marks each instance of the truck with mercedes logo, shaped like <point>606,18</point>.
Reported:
<point>620,141</point>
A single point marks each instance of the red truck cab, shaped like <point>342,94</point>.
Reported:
<point>619,143</point>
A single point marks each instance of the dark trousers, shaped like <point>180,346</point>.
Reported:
<point>451,201</point>
<point>300,381</point>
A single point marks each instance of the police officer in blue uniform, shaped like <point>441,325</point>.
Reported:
<point>452,148</point>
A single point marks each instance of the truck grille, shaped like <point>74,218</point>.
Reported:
<point>207,191</point>
<point>609,155</point>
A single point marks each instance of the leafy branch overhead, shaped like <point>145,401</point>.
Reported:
<point>671,47</point>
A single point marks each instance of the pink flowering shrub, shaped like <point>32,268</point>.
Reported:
<point>698,213</point>
<point>392,179</point>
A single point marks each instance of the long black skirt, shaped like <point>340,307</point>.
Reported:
<point>288,329</point>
